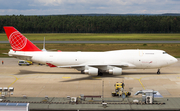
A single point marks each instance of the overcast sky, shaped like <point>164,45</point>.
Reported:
<point>51,7</point>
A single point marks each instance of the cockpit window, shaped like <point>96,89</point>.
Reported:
<point>164,53</point>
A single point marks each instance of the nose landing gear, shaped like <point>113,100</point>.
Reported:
<point>158,72</point>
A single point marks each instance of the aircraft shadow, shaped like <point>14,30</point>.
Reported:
<point>145,73</point>
<point>105,75</point>
<point>25,72</point>
<point>93,78</point>
<point>22,72</point>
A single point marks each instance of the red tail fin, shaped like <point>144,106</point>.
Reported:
<point>18,41</point>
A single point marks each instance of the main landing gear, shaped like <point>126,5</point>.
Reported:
<point>100,73</point>
<point>158,72</point>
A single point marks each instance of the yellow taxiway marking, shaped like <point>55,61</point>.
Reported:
<point>96,77</point>
<point>141,82</point>
<point>14,81</point>
<point>139,79</point>
<point>18,78</point>
<point>66,77</point>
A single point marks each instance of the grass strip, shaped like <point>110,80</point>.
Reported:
<point>94,36</point>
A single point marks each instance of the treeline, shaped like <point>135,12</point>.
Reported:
<point>92,24</point>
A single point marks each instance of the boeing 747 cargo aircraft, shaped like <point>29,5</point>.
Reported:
<point>92,63</point>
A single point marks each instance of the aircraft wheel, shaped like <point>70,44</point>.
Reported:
<point>100,74</point>
<point>113,94</point>
<point>158,72</point>
<point>82,72</point>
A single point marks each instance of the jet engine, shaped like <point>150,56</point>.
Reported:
<point>91,71</point>
<point>115,71</point>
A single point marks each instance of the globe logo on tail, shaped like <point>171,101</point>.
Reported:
<point>17,40</point>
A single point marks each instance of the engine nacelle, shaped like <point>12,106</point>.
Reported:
<point>91,71</point>
<point>115,71</point>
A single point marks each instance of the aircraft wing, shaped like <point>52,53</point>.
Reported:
<point>19,55</point>
<point>115,65</point>
<point>102,67</point>
<point>77,66</point>
<point>71,66</point>
<point>109,66</point>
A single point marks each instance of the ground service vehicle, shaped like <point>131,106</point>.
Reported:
<point>119,90</point>
<point>24,62</point>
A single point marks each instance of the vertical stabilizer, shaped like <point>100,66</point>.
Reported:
<point>18,41</point>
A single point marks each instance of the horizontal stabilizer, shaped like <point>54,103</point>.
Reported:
<point>5,53</point>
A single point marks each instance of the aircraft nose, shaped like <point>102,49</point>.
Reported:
<point>173,60</point>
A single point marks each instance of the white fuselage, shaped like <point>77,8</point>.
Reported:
<point>137,59</point>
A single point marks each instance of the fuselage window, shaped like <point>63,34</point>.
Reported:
<point>164,53</point>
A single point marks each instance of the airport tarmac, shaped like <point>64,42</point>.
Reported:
<point>41,81</point>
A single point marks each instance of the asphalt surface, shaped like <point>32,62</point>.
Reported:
<point>37,82</point>
<point>41,81</point>
<point>102,42</point>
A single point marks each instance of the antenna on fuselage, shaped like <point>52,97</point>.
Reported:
<point>44,45</point>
